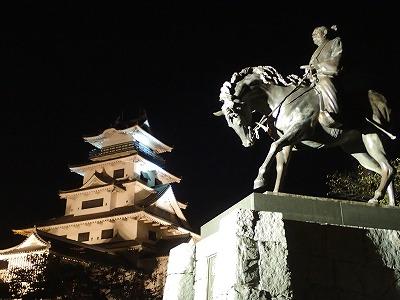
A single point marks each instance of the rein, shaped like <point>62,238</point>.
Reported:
<point>267,119</point>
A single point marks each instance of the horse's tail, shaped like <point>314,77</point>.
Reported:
<point>380,112</point>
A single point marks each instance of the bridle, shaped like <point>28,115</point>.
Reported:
<point>269,119</point>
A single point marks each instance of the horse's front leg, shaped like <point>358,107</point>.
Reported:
<point>288,139</point>
<point>282,160</point>
<point>276,147</point>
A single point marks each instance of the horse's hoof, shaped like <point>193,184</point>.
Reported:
<point>258,183</point>
<point>373,201</point>
<point>378,195</point>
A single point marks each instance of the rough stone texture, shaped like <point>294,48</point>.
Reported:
<point>250,241</point>
<point>179,287</point>
<point>245,293</point>
<point>270,228</point>
<point>273,252</point>
<point>181,259</point>
<point>274,272</point>
<point>237,253</point>
<point>179,282</point>
<point>336,262</point>
<point>387,244</point>
<point>239,222</point>
<point>262,255</point>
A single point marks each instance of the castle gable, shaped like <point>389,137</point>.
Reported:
<point>30,244</point>
<point>98,179</point>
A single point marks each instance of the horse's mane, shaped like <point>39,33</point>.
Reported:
<point>268,74</point>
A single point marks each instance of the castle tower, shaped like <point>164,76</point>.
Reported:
<point>126,201</point>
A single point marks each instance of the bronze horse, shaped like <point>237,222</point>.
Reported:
<point>289,108</point>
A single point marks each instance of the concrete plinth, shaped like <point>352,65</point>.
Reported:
<point>282,246</point>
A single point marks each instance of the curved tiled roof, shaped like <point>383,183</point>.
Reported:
<point>33,243</point>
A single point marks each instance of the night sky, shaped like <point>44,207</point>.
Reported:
<point>69,69</point>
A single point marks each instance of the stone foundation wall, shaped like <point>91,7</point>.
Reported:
<point>261,255</point>
<point>334,262</point>
<point>180,272</point>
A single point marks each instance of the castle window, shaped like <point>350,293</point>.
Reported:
<point>107,234</point>
<point>3,264</point>
<point>152,235</point>
<point>118,173</point>
<point>92,203</point>
<point>83,236</point>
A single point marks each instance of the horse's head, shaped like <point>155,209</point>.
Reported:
<point>238,115</point>
<point>246,95</point>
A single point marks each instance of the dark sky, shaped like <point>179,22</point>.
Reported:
<point>68,69</point>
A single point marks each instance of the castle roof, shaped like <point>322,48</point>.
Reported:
<point>34,243</point>
<point>146,211</point>
<point>80,168</point>
<point>135,133</point>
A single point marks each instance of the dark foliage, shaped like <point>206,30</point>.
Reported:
<point>64,278</point>
<point>360,184</point>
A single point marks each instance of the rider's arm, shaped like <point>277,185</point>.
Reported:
<point>330,66</point>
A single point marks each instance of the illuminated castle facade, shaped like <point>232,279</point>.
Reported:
<point>125,203</point>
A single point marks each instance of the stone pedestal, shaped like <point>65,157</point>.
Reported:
<point>285,246</point>
<point>180,272</point>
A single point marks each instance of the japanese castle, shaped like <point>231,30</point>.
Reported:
<point>125,204</point>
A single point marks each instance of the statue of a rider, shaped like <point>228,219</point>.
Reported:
<point>325,67</point>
